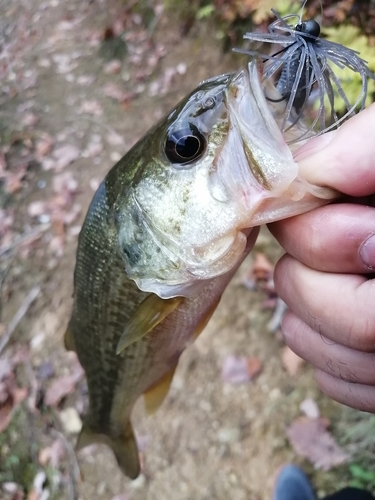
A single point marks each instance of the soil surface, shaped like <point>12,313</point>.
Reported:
<point>210,439</point>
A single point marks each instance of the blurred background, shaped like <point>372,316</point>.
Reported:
<point>81,82</point>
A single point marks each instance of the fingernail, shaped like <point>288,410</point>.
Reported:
<point>367,252</point>
<point>314,145</point>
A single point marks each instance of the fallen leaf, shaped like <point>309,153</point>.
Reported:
<point>13,178</point>
<point>43,146</point>
<point>260,276</point>
<point>262,267</point>
<point>239,369</point>
<point>114,139</point>
<point>93,148</point>
<point>116,92</point>
<point>86,80</point>
<point>44,455</point>
<point>5,369</point>
<point>29,120</point>
<point>73,214</point>
<point>65,183</point>
<point>112,67</point>
<point>52,454</point>
<point>254,367</point>
<point>65,155</point>
<point>62,387</point>
<point>57,452</point>
<point>310,439</point>
<point>10,395</point>
<point>45,370</point>
<point>37,208</point>
<point>13,489</point>
<point>91,107</point>
<point>291,361</point>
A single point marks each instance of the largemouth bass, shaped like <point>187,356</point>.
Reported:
<point>166,230</point>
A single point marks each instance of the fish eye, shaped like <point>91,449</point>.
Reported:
<point>185,144</point>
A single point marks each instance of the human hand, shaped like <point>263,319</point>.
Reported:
<point>327,276</point>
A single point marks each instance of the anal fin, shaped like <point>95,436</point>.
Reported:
<point>124,447</point>
<point>149,314</point>
<point>155,396</point>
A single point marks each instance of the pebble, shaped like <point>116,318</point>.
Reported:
<point>115,156</point>
<point>228,435</point>
<point>139,482</point>
<point>71,420</point>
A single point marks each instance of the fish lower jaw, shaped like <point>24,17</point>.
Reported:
<point>194,276</point>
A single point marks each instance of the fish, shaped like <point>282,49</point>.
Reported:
<point>165,232</point>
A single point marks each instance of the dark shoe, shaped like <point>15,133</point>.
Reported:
<point>292,484</point>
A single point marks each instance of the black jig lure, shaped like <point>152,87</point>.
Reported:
<point>304,68</point>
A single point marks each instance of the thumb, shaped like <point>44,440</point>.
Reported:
<point>344,159</point>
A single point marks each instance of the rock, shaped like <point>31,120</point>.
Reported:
<point>229,435</point>
<point>71,420</point>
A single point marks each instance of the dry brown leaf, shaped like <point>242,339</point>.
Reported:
<point>37,208</point>
<point>62,387</point>
<point>44,456</point>
<point>291,361</point>
<point>65,183</point>
<point>239,369</point>
<point>10,394</point>
<point>254,367</point>
<point>14,177</point>
<point>310,439</point>
<point>117,93</point>
<point>262,267</point>
<point>29,120</point>
<point>112,67</point>
<point>91,107</point>
<point>65,155</point>
<point>43,146</point>
<point>12,490</point>
<point>57,452</point>
<point>52,454</point>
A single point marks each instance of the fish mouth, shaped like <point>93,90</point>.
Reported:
<point>262,176</point>
<point>268,156</point>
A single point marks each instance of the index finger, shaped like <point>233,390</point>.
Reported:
<point>343,159</point>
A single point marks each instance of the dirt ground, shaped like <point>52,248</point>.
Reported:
<point>210,439</point>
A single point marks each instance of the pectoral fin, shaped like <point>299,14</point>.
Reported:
<point>155,396</point>
<point>149,314</point>
<point>124,447</point>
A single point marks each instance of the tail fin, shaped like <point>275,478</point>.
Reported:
<point>124,447</point>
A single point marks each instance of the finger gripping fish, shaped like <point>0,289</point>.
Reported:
<point>166,230</point>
